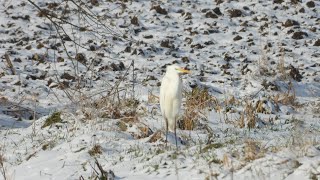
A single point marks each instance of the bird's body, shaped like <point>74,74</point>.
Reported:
<point>171,96</point>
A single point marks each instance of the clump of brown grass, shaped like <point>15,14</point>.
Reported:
<point>316,108</point>
<point>226,161</point>
<point>197,102</point>
<point>253,150</point>
<point>241,120</point>
<point>152,98</point>
<point>95,150</point>
<point>231,101</point>
<point>281,65</point>
<point>157,136</point>
<point>259,107</point>
<point>107,107</point>
<point>143,130</point>
<point>287,98</point>
<point>248,117</point>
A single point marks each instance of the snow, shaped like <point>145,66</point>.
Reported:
<point>283,144</point>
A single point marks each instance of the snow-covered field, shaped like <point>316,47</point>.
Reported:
<point>252,99</point>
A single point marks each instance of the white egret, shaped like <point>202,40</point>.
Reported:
<point>170,97</point>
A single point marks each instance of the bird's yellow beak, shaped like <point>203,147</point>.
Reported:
<point>185,71</point>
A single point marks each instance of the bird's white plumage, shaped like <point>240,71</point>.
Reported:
<point>171,95</point>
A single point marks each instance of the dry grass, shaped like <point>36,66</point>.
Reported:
<point>95,150</point>
<point>232,101</point>
<point>281,65</point>
<point>250,114</point>
<point>316,108</point>
<point>3,169</point>
<point>264,68</point>
<point>157,136</point>
<point>107,107</point>
<point>241,120</point>
<point>198,101</point>
<point>253,150</point>
<point>249,117</point>
<point>302,141</point>
<point>153,99</point>
<point>287,98</point>
<point>227,163</point>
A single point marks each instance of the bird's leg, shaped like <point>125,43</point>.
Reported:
<point>166,131</point>
<point>175,132</point>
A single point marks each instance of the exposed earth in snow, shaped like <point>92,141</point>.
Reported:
<point>80,80</point>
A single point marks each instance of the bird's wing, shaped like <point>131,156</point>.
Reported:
<point>163,93</point>
<point>176,100</point>
<point>170,98</point>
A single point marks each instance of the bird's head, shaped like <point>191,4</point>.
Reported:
<point>177,69</point>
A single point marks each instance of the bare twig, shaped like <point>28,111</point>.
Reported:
<point>104,174</point>
<point>9,64</point>
<point>2,168</point>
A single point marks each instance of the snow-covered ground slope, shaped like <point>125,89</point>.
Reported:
<point>253,98</point>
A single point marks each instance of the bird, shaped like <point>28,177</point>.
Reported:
<point>171,97</point>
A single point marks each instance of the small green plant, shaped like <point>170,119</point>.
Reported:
<point>174,155</point>
<point>212,146</point>
<point>159,151</point>
<point>155,167</point>
<point>136,151</point>
<point>54,118</point>
<point>48,145</point>
<point>211,157</point>
<point>122,125</point>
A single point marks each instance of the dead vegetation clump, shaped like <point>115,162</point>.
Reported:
<point>250,113</point>
<point>95,150</point>
<point>124,110</point>
<point>249,117</point>
<point>107,107</point>
<point>316,108</point>
<point>287,98</point>
<point>142,130</point>
<point>289,71</point>
<point>253,150</point>
<point>281,65</point>
<point>301,141</point>
<point>155,137</point>
<point>198,101</point>
<point>2,168</point>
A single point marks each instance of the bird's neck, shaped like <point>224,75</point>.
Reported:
<point>174,76</point>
